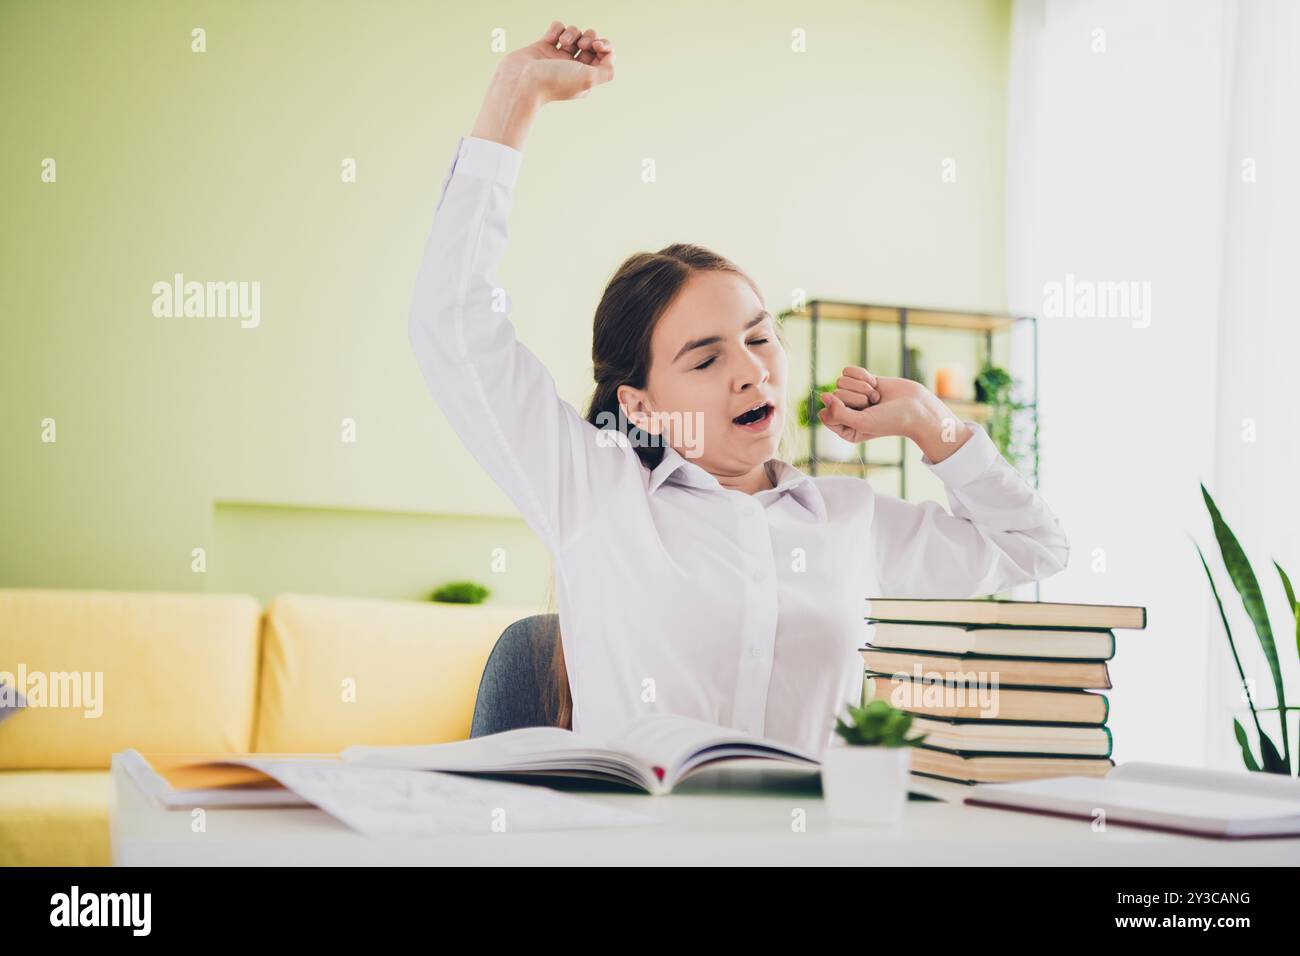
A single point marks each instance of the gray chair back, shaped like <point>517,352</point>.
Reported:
<point>511,691</point>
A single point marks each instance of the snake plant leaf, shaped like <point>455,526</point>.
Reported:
<point>1247,585</point>
<point>1232,644</point>
<point>1273,762</point>
<point>1246,755</point>
<point>1286,584</point>
<point>1295,608</point>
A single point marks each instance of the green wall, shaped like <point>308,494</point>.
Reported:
<point>816,170</point>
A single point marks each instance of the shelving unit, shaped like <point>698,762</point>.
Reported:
<point>865,315</point>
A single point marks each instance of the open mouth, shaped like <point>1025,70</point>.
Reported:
<point>756,419</point>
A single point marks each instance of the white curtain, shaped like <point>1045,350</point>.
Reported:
<point>1153,222</point>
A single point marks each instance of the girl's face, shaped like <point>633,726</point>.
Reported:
<point>714,357</point>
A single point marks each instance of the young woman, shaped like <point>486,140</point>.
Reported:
<point>696,572</point>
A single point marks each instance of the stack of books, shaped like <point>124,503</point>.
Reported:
<point>1004,690</point>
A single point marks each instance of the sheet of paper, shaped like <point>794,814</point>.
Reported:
<point>383,802</point>
<point>490,751</point>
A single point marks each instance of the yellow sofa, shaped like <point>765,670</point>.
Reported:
<point>205,673</point>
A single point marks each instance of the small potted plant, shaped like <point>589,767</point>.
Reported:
<point>995,387</point>
<point>460,592</point>
<point>828,445</point>
<point>865,778</point>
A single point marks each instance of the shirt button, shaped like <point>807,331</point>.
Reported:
<point>756,651</point>
<point>759,575</point>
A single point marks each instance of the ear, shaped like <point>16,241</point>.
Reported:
<point>638,409</point>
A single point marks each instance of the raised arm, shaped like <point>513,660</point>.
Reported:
<point>1000,532</point>
<point>565,64</point>
<point>498,396</point>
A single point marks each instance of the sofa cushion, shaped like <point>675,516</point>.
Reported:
<point>343,671</point>
<point>150,670</point>
<point>54,817</point>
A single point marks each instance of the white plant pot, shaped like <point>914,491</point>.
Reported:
<point>831,447</point>
<point>866,785</point>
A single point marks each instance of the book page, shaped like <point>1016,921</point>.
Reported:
<point>388,803</point>
<point>669,740</point>
<point>509,749</point>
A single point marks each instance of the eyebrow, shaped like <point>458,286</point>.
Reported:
<point>713,339</point>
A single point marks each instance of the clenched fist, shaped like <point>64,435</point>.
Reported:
<point>865,406</point>
<point>563,65</point>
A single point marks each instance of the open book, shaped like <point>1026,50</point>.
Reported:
<point>652,753</point>
<point>376,801</point>
<point>1163,797</point>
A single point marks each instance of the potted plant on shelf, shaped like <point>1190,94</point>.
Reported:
<point>827,445</point>
<point>994,387</point>
<point>865,778</point>
<point>460,592</point>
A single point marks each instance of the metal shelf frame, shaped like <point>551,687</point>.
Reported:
<point>984,324</point>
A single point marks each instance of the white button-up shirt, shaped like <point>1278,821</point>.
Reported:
<point>675,593</point>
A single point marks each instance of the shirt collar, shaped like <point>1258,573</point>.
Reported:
<point>789,480</point>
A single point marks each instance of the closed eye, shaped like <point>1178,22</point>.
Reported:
<point>704,365</point>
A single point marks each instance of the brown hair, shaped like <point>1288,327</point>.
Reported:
<point>633,302</point>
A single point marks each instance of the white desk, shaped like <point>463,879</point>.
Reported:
<point>717,817</point>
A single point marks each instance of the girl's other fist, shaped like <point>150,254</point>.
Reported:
<point>564,64</point>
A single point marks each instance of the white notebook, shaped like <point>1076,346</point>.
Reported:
<point>1161,796</point>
